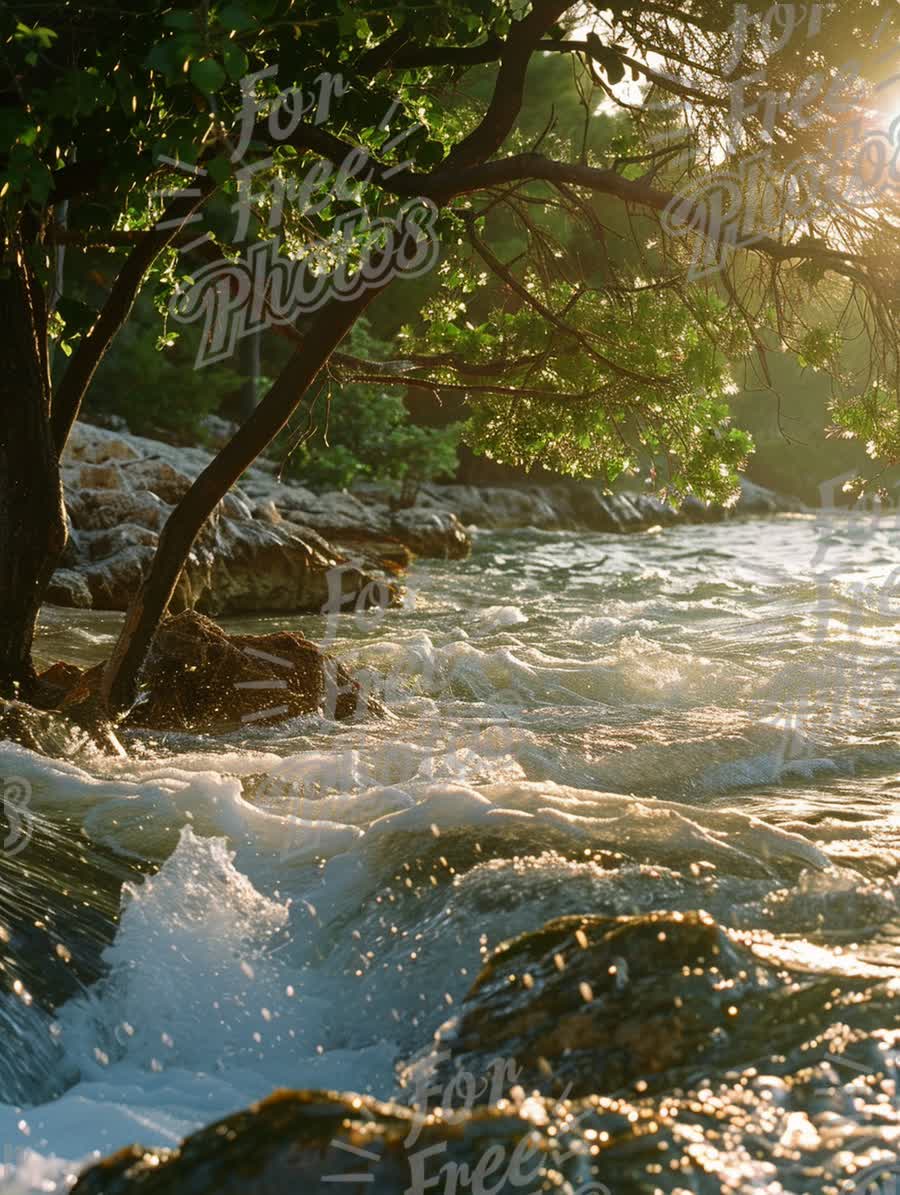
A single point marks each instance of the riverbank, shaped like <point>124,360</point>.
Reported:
<point>274,545</point>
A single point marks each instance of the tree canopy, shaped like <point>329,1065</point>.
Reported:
<point>590,360</point>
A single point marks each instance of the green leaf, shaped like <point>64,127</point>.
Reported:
<point>220,169</point>
<point>235,60</point>
<point>236,18</point>
<point>207,75</point>
<point>162,58</point>
<point>180,18</point>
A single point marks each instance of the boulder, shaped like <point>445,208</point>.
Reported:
<point>159,477</point>
<point>654,510</point>
<point>100,509</point>
<point>757,500</point>
<point>692,510</point>
<point>494,506</point>
<point>596,511</point>
<point>69,588</point>
<point>628,512</point>
<point>198,678</point>
<point>592,1004</point>
<point>241,567</point>
<point>431,533</point>
<point>107,476</point>
<point>318,1142</point>
<point>95,444</point>
<point>114,580</point>
<point>98,545</point>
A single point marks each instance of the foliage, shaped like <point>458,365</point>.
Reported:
<point>149,380</point>
<point>590,357</point>
<point>364,433</point>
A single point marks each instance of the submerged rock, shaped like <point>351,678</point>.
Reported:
<point>319,1142</point>
<point>593,1004</point>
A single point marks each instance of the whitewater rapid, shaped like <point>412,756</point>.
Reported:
<point>701,717</point>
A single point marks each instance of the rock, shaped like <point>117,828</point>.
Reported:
<point>235,506</point>
<point>200,679</point>
<point>267,512</point>
<point>343,518</point>
<point>159,477</point>
<point>69,588</point>
<point>98,545</point>
<point>314,1143</point>
<point>628,512</point>
<point>58,680</point>
<point>591,1004</point>
<point>494,506</point>
<point>341,512</point>
<point>94,510</point>
<point>432,533</point>
<point>250,566</point>
<point>757,500</point>
<point>95,444</point>
<point>654,510</point>
<point>114,580</point>
<point>594,510</point>
<point>694,511</point>
<point>107,476</point>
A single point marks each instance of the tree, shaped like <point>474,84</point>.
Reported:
<point>590,360</point>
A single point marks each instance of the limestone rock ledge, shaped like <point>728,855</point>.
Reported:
<point>277,546</point>
<point>269,546</point>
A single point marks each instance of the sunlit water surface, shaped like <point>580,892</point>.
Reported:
<point>275,926</point>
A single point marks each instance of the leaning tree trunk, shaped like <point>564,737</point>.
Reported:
<point>120,679</point>
<point>32,517</point>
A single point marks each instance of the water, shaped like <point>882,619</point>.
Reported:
<point>696,718</point>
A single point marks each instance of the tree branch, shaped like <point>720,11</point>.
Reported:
<point>89,353</point>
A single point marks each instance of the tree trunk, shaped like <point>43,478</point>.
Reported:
<point>32,516</point>
<point>120,679</point>
<point>250,369</point>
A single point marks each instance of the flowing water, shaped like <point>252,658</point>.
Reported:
<point>694,718</point>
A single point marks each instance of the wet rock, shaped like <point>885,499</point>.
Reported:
<point>316,1142</point>
<point>593,1004</point>
<point>198,678</point>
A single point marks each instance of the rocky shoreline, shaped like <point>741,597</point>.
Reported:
<point>274,545</point>
<point>577,1061</point>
